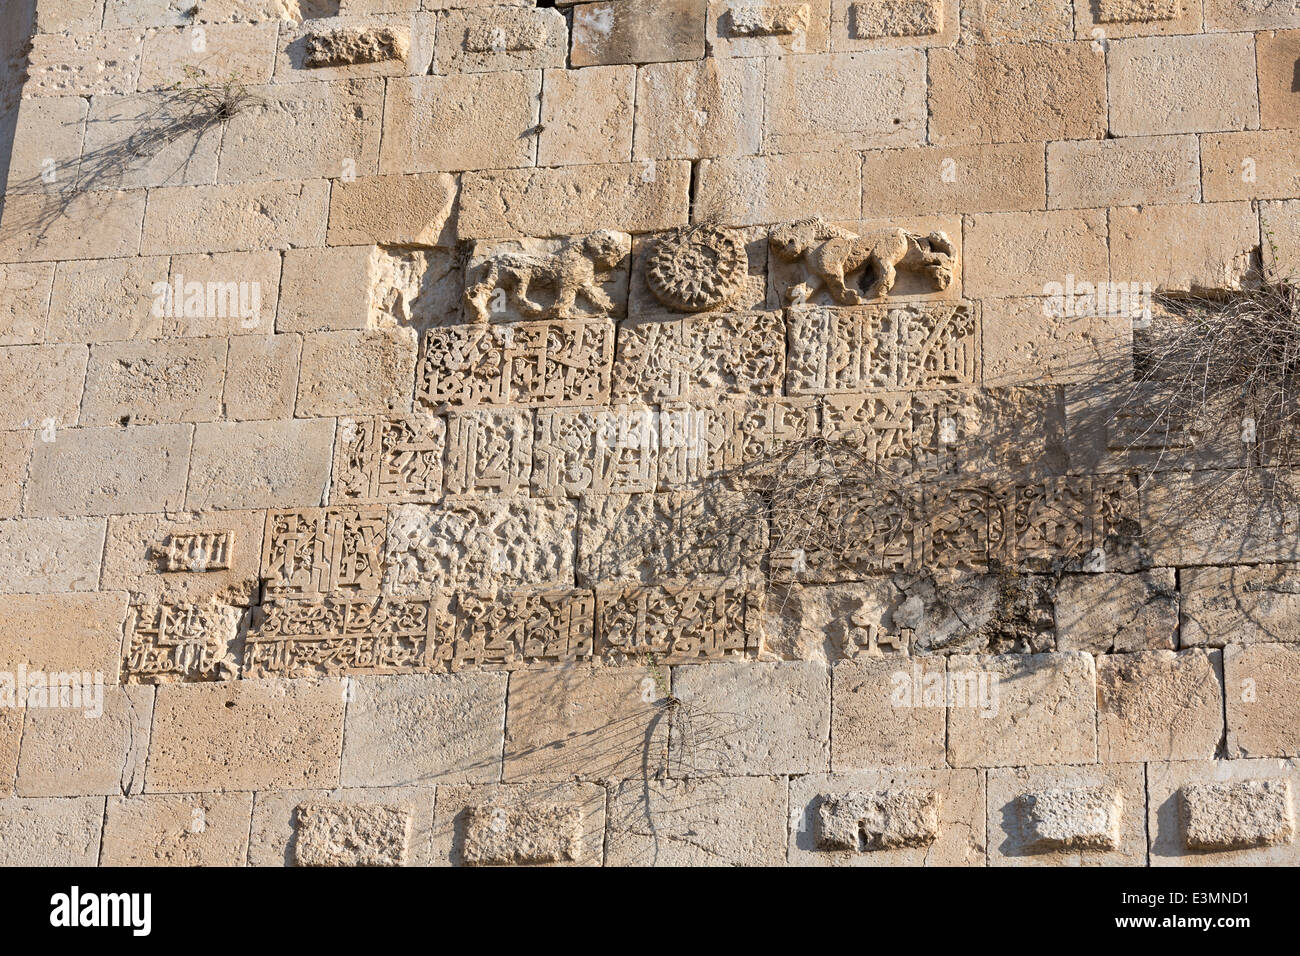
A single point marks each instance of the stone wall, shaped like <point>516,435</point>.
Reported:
<point>401,405</point>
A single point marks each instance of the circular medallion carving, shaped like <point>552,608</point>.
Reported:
<point>697,268</point>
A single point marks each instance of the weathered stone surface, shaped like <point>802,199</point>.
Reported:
<point>278,832</point>
<point>24,302</point>
<point>50,831</point>
<point>766,28</point>
<point>651,31</point>
<point>1223,251</point>
<point>471,41</point>
<point>47,138</point>
<point>63,632</point>
<point>1187,84</point>
<point>93,471</point>
<point>167,642</point>
<point>43,226</point>
<point>340,835</point>
<point>1251,165</point>
<point>50,555</point>
<point>413,209</point>
<point>268,464</point>
<point>540,833</point>
<point>1239,15</point>
<point>84,63</point>
<point>1035,20</point>
<point>703,108</point>
<point>419,728</point>
<point>1247,604</point>
<point>1238,815</point>
<point>870,820</point>
<point>1280,228</point>
<point>223,53</point>
<point>934,179</point>
<point>1131,18</point>
<point>208,829</point>
<point>41,385</point>
<point>548,824</point>
<point>261,376</point>
<point>326,289</point>
<point>1193,518</point>
<point>755,190</point>
<point>356,372</point>
<point>94,743</point>
<point>874,724</point>
<point>1159,705</point>
<point>1117,613</point>
<point>1278,96</point>
<point>1127,171</point>
<point>1044,712</point>
<point>958,830</point>
<point>11,735</point>
<point>1017,93</point>
<point>275,215</point>
<point>730,354</point>
<point>154,382</point>
<point>1019,253</point>
<point>245,735</point>
<point>15,450</point>
<point>1263,714</point>
<point>1062,816</point>
<point>356,46</point>
<point>587,116</point>
<point>106,299</point>
<point>578,278</point>
<point>1032,341</point>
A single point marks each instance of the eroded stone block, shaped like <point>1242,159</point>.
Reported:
<point>182,642</point>
<point>871,19</point>
<point>1086,818</point>
<point>1237,815</point>
<point>864,821</point>
<point>539,833</point>
<point>334,834</point>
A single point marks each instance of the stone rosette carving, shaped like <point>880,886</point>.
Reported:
<point>697,267</point>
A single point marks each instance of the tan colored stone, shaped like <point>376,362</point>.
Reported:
<point>93,471</point>
<point>959,831</point>
<point>1159,705</point>
<point>63,632</point>
<point>1248,604</point>
<point>1263,712</point>
<point>245,735</point>
<point>539,833</point>
<point>340,835</point>
<point>69,16</point>
<point>41,384</point>
<point>84,63</point>
<point>650,31</point>
<point>937,179</point>
<point>1279,226</point>
<point>146,139</point>
<point>410,210</point>
<point>1115,172</point>
<point>48,555</point>
<point>1117,613</point>
<point>148,13</point>
<point>276,829</point>
<point>1017,93</point>
<point>814,102</point>
<point>752,718</point>
<point>11,733</point>
<point>106,300</point>
<point>1237,813</point>
<point>462,121</point>
<point>1279,96</point>
<point>1218,245</point>
<point>870,727</point>
<point>744,28</point>
<point>1044,711</point>
<point>46,147</point>
<point>716,821</point>
<point>265,464</point>
<point>1020,253</point>
<point>261,377</point>
<point>701,108</point>
<point>15,450</point>
<point>1239,15</point>
<point>587,116</point>
<point>755,190</point>
<point>1133,18</point>
<point>63,225</point>
<point>25,302</point>
<point>1027,342</point>
<point>1252,165</point>
<point>424,728</point>
<point>325,289</point>
<point>222,54</point>
<point>207,829</point>
<point>1194,518</point>
<point>586,724</point>
<point>154,382</point>
<point>350,46</point>
<point>225,293</point>
<point>470,41</point>
<point>549,838</point>
<point>50,831</point>
<point>1188,84</point>
<point>576,200</point>
<point>1067,816</point>
<point>988,21</point>
<point>356,372</point>
<point>873,820</point>
<point>95,747</point>
<point>876,24</point>
<point>279,215</point>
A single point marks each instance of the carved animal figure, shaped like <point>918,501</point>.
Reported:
<point>570,272</point>
<point>831,255</point>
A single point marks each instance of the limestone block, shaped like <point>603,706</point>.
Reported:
<point>481,544</point>
<point>767,27</point>
<point>93,471</point>
<point>199,829</point>
<point>356,372</point>
<point>335,835</point>
<point>873,725</point>
<point>371,45</point>
<point>1117,613</point>
<point>1251,165</point>
<point>1017,93</point>
<point>587,116</point>
<point>50,555</point>
<point>1044,712</point>
<point>303,130</point>
<point>326,289</point>
<point>172,641</point>
<point>402,209</point>
<point>264,464</point>
<point>912,797</point>
<point>15,450</point>
<point>1067,816</point>
<point>1120,172</point>
<point>69,16</point>
<point>11,733</point>
<point>1031,341</point>
<point>25,302</point>
<point>1193,518</point>
<point>1223,248</point>
<point>1133,18</point>
<point>223,293</point>
<point>185,558</point>
<point>555,824</point>
<point>701,108</point>
<point>1280,229</point>
<point>71,225</point>
<point>1019,253</point>
<point>261,376</point>
<point>40,384</point>
<point>462,121</point>
<point>214,55</point>
<point>50,831</point>
<point>584,723</point>
<point>96,747</point>
<point>415,287</point>
<point>424,728</point>
<point>936,179</point>
<point>752,718</point>
<point>63,632</point>
<point>568,201</point>
<point>279,837</point>
<point>716,821</point>
<point>1238,15</point>
<point>1187,84</point>
<point>84,63</point>
<point>1263,714</point>
<point>46,142</point>
<point>470,41</point>
<point>1222,813</point>
<point>1278,96</point>
<point>154,382</point>
<point>245,735</point>
<point>149,13</point>
<point>490,452</point>
<point>1045,21</point>
<point>812,105</point>
<point>873,24</point>
<point>1248,604</point>
<point>1159,705</point>
<point>652,31</point>
<point>278,215</point>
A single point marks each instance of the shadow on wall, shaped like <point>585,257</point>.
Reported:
<point>16,19</point>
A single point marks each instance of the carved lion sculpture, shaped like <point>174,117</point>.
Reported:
<point>569,272</point>
<point>831,254</point>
